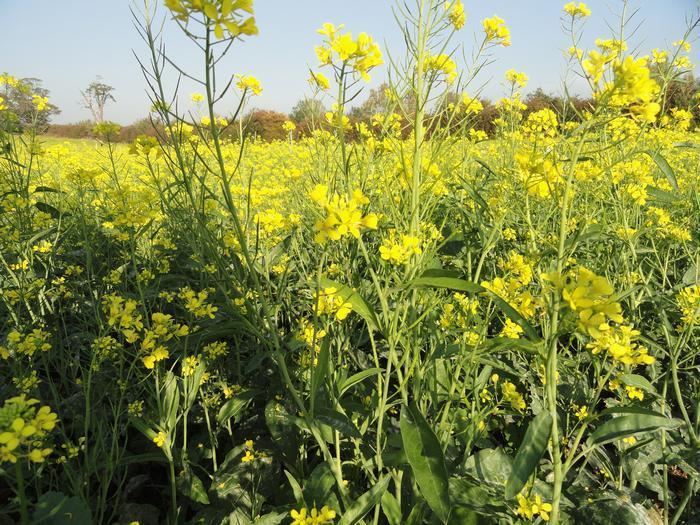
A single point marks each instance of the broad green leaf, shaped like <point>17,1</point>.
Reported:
<point>365,503</point>
<point>234,406</point>
<point>623,426</point>
<point>358,378</point>
<point>529,454</point>
<point>338,421</point>
<point>425,456</point>
<point>319,486</point>
<point>191,486</point>
<point>355,300</point>
<point>55,508</point>
<point>637,381</point>
<point>665,168</point>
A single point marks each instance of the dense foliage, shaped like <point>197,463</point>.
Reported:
<point>428,323</point>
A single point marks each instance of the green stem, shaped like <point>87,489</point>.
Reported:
<point>23,512</point>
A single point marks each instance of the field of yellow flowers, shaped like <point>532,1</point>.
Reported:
<point>406,321</point>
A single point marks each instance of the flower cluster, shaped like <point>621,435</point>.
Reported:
<point>590,297</point>
<point>577,10</point>
<point>533,506</point>
<point>24,430</point>
<point>343,216</point>
<point>456,15</point>
<point>314,517</point>
<point>225,16</point>
<point>689,304</point>
<point>399,251</point>
<point>25,344</point>
<point>330,302</point>
<point>359,55</point>
<point>441,64</point>
<point>496,31</point>
<point>163,329</point>
<point>248,83</point>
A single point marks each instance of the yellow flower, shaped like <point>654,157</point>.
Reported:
<point>196,97</point>
<point>456,14</point>
<point>160,439</point>
<point>441,64</point>
<point>512,396</point>
<point>634,393</point>
<point>249,83</point>
<point>40,103</point>
<point>496,31</point>
<point>514,77</point>
<point>577,10</point>
<point>319,80</point>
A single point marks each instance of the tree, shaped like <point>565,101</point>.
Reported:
<point>308,110</point>
<point>378,101</point>
<point>95,98</point>
<point>20,102</point>
<point>266,124</point>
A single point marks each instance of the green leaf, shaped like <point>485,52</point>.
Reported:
<point>273,518</point>
<point>665,168</point>
<point>365,503</point>
<point>55,508</point>
<point>296,489</point>
<point>357,378</point>
<point>234,406</point>
<point>171,402</point>
<point>191,486</point>
<point>425,456</point>
<point>355,300</point>
<point>391,508</point>
<point>662,195</point>
<point>447,279</point>
<point>623,426</point>
<point>529,454</point>
<point>318,489</point>
<point>338,421</point>
<point>638,381</point>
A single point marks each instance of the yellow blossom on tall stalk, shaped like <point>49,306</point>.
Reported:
<point>456,14</point>
<point>577,10</point>
<point>399,251</point>
<point>319,81</point>
<point>40,103</point>
<point>249,83</point>
<point>343,216</point>
<point>515,78</point>
<point>225,16</point>
<point>441,64</point>
<point>496,31</point>
<point>359,55</point>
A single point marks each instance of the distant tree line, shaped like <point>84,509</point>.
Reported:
<point>309,114</point>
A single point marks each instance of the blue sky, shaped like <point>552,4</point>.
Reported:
<point>72,41</point>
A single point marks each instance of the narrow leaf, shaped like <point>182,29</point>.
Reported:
<point>425,456</point>
<point>364,503</point>
<point>623,426</point>
<point>529,454</point>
